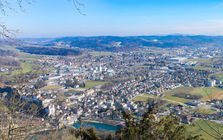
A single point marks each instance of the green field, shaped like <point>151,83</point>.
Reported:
<point>203,91</point>
<point>52,87</point>
<point>25,67</point>
<point>29,57</point>
<point>204,111</point>
<point>206,126</point>
<point>204,68</point>
<point>101,53</point>
<point>25,60</point>
<point>144,97</point>
<point>169,99</point>
<point>145,66</point>
<point>206,92</point>
<point>156,51</point>
<point>204,63</point>
<point>12,48</point>
<point>177,99</point>
<point>218,75</point>
<point>91,84</point>
<point>206,60</point>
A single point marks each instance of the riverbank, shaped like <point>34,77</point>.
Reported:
<point>104,121</point>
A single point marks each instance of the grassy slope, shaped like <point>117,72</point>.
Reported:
<point>169,99</point>
<point>205,92</point>
<point>195,130</point>
<point>218,75</point>
<point>172,98</point>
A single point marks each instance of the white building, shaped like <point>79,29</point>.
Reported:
<point>52,110</point>
<point>211,83</point>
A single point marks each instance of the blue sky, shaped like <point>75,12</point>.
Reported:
<point>55,18</point>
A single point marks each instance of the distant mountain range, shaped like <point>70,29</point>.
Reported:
<point>117,43</point>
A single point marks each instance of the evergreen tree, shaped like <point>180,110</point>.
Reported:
<point>152,128</point>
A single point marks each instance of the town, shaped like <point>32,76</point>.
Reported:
<point>98,86</point>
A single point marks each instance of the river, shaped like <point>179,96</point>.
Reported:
<point>97,126</point>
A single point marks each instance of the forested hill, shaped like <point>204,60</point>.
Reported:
<point>116,43</point>
<point>50,51</point>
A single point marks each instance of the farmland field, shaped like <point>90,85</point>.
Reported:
<point>177,99</point>
<point>26,67</point>
<point>205,92</point>
<point>169,99</point>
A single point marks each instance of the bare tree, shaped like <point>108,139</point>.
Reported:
<point>5,7</point>
<point>20,120</point>
<point>78,5</point>
<point>18,6</point>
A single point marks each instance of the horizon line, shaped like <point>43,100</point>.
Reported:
<point>119,36</point>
